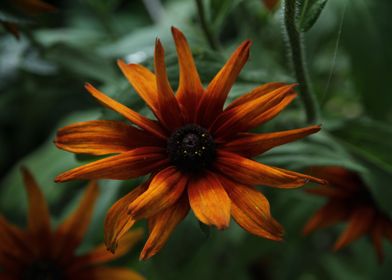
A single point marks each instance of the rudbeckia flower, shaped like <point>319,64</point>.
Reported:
<point>197,152</point>
<point>42,253</point>
<point>349,201</point>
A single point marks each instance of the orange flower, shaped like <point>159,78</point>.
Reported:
<point>40,253</point>
<point>349,200</point>
<point>197,152</point>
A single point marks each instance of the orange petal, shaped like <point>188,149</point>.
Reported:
<point>250,172</point>
<point>169,110</point>
<point>211,103</point>
<point>143,81</point>
<point>70,233</point>
<point>190,88</point>
<point>338,177</point>
<point>102,137</point>
<point>274,111</point>
<point>308,178</point>
<point>242,117</point>
<point>359,223</point>
<point>105,273</point>
<point>251,210</point>
<point>254,94</point>
<point>15,245</point>
<point>101,255</point>
<point>164,190</point>
<point>38,213</point>
<point>129,114</point>
<point>328,215</point>
<point>162,226</point>
<point>250,145</point>
<point>127,165</point>
<point>117,221</point>
<point>209,200</point>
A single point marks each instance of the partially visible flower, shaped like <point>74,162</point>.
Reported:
<point>271,4</point>
<point>349,200</point>
<point>40,253</point>
<point>28,8</point>
<point>198,153</point>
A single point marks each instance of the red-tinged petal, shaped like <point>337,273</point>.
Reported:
<point>328,215</point>
<point>117,221</point>
<point>164,190</point>
<point>250,172</point>
<point>101,255</point>
<point>127,165</point>
<point>254,94</point>
<point>143,81</point>
<point>169,110</point>
<point>105,273</point>
<point>70,233</point>
<point>15,245</point>
<point>274,111</point>
<point>128,113</point>
<point>359,223</point>
<point>162,225</point>
<point>338,177</point>
<point>329,191</point>
<point>251,210</point>
<point>211,103</point>
<point>209,200</point>
<point>190,88</point>
<point>38,214</point>
<point>242,117</point>
<point>308,178</point>
<point>103,137</point>
<point>251,145</point>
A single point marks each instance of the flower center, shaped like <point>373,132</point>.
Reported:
<point>191,148</point>
<point>43,270</point>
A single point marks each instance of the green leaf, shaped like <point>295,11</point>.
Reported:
<point>45,163</point>
<point>8,17</point>
<point>204,229</point>
<point>367,140</point>
<point>309,12</point>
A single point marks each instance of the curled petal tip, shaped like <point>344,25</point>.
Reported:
<point>176,31</point>
<point>120,62</point>
<point>87,85</point>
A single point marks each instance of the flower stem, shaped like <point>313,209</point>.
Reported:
<point>212,41</point>
<point>298,59</point>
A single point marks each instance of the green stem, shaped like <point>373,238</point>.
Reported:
<point>212,41</point>
<point>298,59</point>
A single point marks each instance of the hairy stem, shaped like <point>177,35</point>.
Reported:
<point>212,41</point>
<point>298,60</point>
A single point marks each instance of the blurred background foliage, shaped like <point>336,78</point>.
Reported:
<point>349,51</point>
